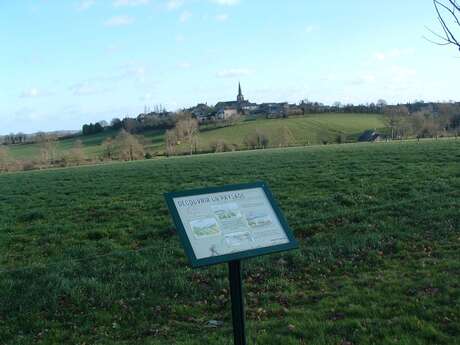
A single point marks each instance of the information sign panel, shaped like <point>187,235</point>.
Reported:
<point>229,223</point>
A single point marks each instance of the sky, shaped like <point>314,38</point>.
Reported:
<point>65,63</point>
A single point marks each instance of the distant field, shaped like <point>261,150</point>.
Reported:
<point>91,146</point>
<point>311,129</point>
<point>89,255</point>
<point>303,130</point>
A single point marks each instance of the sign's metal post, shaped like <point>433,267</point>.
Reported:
<point>236,293</point>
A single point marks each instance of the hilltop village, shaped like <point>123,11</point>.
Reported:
<point>231,109</point>
<point>226,110</point>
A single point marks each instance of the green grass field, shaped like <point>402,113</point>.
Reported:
<point>88,255</point>
<point>311,129</point>
<point>303,130</point>
<point>91,145</point>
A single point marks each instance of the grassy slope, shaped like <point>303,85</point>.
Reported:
<point>304,130</point>
<point>310,129</point>
<point>379,261</point>
<point>90,143</point>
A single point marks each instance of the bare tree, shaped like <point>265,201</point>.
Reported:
<point>220,145</point>
<point>4,159</point>
<point>381,103</point>
<point>394,118</point>
<point>128,147</point>
<point>108,149</point>
<point>187,129</point>
<point>233,120</point>
<point>256,140</point>
<point>448,12</point>
<point>48,148</point>
<point>170,142</point>
<point>76,154</point>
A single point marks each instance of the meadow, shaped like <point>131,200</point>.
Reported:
<point>89,255</point>
<point>305,130</point>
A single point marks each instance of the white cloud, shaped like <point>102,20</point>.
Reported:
<point>368,77</point>
<point>174,4</point>
<point>86,88</point>
<point>221,17</point>
<point>112,49</point>
<point>137,71</point>
<point>226,2</point>
<point>148,97</point>
<point>380,56</point>
<point>34,92</point>
<point>234,72</point>
<point>118,21</point>
<point>28,114</point>
<point>120,3</point>
<point>30,93</point>
<point>309,29</point>
<point>185,16</point>
<point>393,54</point>
<point>184,65</point>
<point>402,74</point>
<point>84,5</point>
<point>129,72</point>
<point>330,77</point>
<point>365,78</point>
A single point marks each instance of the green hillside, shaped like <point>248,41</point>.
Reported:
<point>313,129</point>
<point>89,255</point>
<point>302,130</point>
<point>91,145</point>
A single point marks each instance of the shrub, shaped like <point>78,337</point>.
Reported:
<point>340,139</point>
<point>256,140</point>
<point>27,165</point>
<point>221,145</point>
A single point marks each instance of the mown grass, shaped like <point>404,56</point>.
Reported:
<point>89,256</point>
<point>312,129</point>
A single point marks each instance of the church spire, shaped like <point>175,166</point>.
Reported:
<point>240,97</point>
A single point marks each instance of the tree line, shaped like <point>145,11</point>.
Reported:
<point>161,119</point>
<point>182,136</point>
<point>48,156</point>
<point>141,123</point>
<point>422,120</point>
<point>168,120</point>
<point>124,146</point>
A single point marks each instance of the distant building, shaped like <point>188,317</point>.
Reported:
<point>244,107</point>
<point>370,135</point>
<point>295,110</point>
<point>274,110</point>
<point>241,105</point>
<point>240,97</point>
<point>226,113</point>
<point>202,112</point>
<point>223,105</point>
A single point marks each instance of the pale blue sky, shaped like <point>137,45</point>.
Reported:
<point>64,63</point>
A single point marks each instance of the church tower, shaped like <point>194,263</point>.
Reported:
<point>240,97</point>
